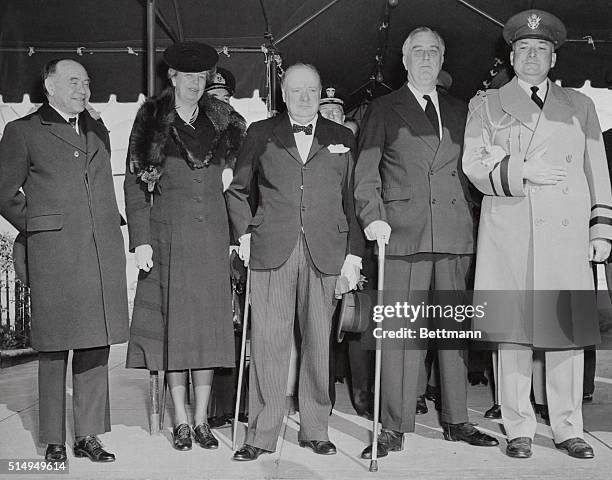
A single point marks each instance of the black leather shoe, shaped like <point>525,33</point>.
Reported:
<point>219,421</point>
<point>477,378</point>
<point>388,441</point>
<point>421,405</point>
<point>322,447</point>
<point>246,453</point>
<point>465,432</point>
<point>56,452</point>
<point>432,394</point>
<point>576,447</point>
<point>587,398</point>
<point>542,410</point>
<point>519,447</point>
<point>90,447</point>
<point>493,412</point>
<point>204,437</point>
<point>182,437</point>
<point>362,403</point>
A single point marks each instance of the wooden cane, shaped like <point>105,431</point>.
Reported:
<point>380,301</point>
<point>245,324</point>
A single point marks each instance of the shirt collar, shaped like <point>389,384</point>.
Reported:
<point>313,122</point>
<point>419,95</point>
<point>542,87</point>
<point>65,116</point>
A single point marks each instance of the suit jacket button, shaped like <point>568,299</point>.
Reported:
<point>301,187</point>
<point>453,201</point>
<point>565,222</point>
<point>568,159</point>
<point>197,180</point>
<point>433,201</point>
<point>76,153</point>
<point>565,190</point>
<point>200,218</point>
<point>454,173</point>
<point>539,221</point>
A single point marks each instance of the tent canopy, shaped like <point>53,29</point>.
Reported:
<point>342,42</point>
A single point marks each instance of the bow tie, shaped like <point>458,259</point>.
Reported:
<point>299,128</point>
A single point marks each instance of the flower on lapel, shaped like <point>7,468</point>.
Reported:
<point>150,176</point>
<point>337,148</point>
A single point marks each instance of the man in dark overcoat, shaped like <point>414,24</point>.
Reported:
<point>303,235</point>
<point>410,192</point>
<point>56,188</point>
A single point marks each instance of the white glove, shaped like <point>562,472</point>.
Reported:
<point>144,257</point>
<point>378,230</point>
<point>351,270</point>
<point>244,250</point>
<point>226,177</point>
<point>492,155</point>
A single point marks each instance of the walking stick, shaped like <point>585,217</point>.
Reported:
<point>245,324</point>
<point>380,301</point>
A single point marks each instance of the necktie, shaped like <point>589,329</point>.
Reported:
<point>536,98</point>
<point>307,129</point>
<point>73,124</point>
<point>432,115</point>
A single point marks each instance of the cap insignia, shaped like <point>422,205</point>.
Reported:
<point>533,21</point>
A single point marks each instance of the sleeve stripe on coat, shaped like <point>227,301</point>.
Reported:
<point>503,173</point>
<point>601,205</point>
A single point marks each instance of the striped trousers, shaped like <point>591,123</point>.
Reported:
<point>295,290</point>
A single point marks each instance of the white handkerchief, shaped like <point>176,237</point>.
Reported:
<point>337,148</point>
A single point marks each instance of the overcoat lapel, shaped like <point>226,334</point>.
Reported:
<point>57,126</point>
<point>446,143</point>
<point>541,123</point>
<point>90,130</point>
<point>321,138</point>
<point>283,132</point>
<point>411,112</point>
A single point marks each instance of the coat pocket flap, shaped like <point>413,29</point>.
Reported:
<point>396,193</point>
<point>52,221</point>
<point>343,225</point>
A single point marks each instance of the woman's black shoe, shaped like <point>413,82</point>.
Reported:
<point>204,437</point>
<point>182,437</point>
<point>493,412</point>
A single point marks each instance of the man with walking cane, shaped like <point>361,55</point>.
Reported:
<point>411,194</point>
<point>302,236</point>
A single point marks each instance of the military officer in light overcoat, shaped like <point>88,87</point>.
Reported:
<point>536,152</point>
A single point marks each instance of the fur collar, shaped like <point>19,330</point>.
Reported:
<point>153,129</point>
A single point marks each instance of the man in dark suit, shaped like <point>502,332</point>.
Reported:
<point>410,193</point>
<point>303,235</point>
<point>59,157</point>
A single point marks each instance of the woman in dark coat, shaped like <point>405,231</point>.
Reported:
<point>178,226</point>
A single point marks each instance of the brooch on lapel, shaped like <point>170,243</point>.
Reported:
<point>337,148</point>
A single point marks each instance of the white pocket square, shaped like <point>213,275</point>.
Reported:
<point>337,148</point>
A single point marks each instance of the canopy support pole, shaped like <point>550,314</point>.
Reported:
<point>306,22</point>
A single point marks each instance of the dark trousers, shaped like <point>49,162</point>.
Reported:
<point>403,366</point>
<point>295,290</point>
<point>90,399</point>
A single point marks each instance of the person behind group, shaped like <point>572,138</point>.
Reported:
<point>535,151</point>
<point>303,235</point>
<point>411,194</point>
<point>56,189</point>
<point>177,221</point>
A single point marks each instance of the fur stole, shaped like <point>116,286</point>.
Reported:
<point>153,129</point>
